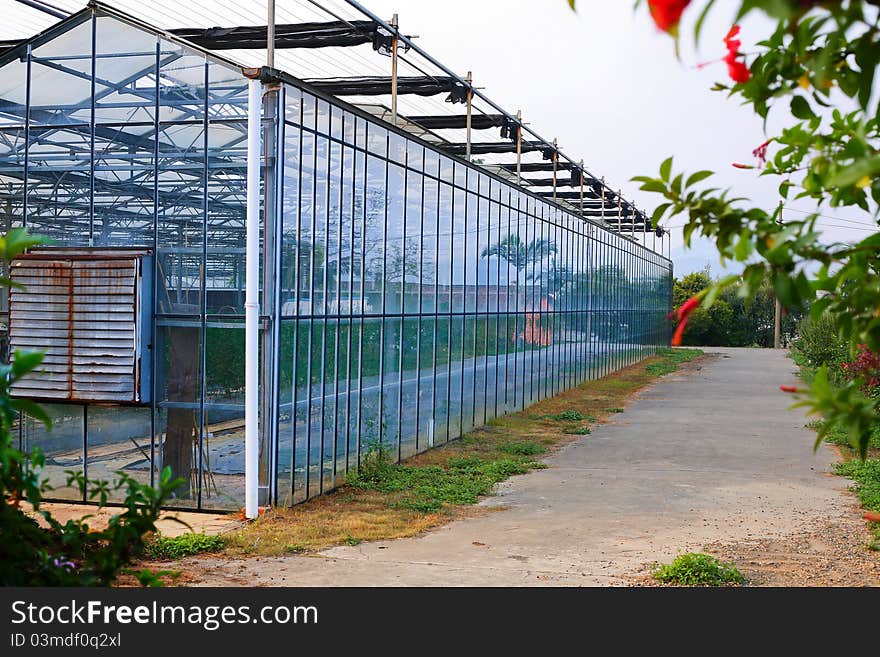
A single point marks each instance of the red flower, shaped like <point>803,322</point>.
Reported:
<point>667,13</point>
<point>736,69</point>
<point>679,332</point>
<point>682,314</point>
<point>788,389</point>
<point>742,166</point>
<point>688,307</point>
<point>872,516</point>
<point>761,153</point>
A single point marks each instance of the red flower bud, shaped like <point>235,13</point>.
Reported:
<point>679,332</point>
<point>688,307</point>
<point>667,13</point>
<point>872,516</point>
<point>742,166</point>
<point>788,389</point>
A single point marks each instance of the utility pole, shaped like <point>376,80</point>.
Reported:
<point>777,320</point>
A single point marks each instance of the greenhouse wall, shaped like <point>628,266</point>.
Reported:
<point>407,296</point>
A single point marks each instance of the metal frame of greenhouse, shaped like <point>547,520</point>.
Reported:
<point>408,282</point>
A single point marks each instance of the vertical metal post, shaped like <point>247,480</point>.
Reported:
<point>518,147</point>
<point>394,70</point>
<point>777,317</point>
<point>270,35</point>
<point>603,199</point>
<point>581,171</point>
<point>555,161</point>
<point>470,98</point>
<point>619,213</point>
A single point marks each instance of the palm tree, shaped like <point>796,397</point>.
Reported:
<point>518,253</point>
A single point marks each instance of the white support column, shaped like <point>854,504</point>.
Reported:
<point>252,304</point>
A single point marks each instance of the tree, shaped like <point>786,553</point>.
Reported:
<point>816,67</point>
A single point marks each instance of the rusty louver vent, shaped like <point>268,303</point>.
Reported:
<point>85,310</point>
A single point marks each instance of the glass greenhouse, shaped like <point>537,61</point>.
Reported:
<point>409,292</point>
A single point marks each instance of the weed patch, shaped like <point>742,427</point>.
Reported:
<point>167,548</point>
<point>522,448</point>
<point>427,488</point>
<point>564,416</point>
<point>696,569</point>
<point>578,431</point>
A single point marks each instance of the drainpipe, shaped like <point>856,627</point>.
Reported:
<point>252,305</point>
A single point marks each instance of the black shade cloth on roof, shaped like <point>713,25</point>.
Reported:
<point>577,195</point>
<point>293,35</point>
<point>482,148</point>
<point>509,128</point>
<point>561,181</point>
<point>381,86</point>
<point>532,167</point>
<point>478,121</point>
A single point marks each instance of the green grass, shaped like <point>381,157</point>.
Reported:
<point>166,548</point>
<point>837,435</point>
<point>566,416</point>
<point>578,431</point>
<point>866,476</point>
<point>671,359</point>
<point>695,569</point>
<point>427,488</point>
<point>614,410</point>
<point>521,448</point>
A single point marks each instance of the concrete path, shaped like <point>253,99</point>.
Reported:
<point>707,454</point>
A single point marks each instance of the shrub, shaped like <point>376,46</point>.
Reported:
<point>695,569</point>
<point>818,343</point>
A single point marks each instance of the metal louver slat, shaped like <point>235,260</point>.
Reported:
<point>86,311</point>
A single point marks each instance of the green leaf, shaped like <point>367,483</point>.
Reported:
<point>659,211</point>
<point>33,409</point>
<point>653,186</point>
<point>666,169</point>
<point>25,361</point>
<point>698,28</point>
<point>699,176</point>
<point>868,166</point>
<point>800,108</point>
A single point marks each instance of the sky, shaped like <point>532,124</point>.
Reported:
<point>607,84</point>
<point>603,81</point>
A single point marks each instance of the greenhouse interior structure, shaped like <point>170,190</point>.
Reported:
<point>419,259</point>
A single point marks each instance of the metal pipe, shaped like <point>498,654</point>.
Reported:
<point>46,8</point>
<point>555,157</point>
<point>252,304</point>
<point>518,146</point>
<point>270,35</point>
<point>395,37</point>
<point>470,96</point>
<point>581,172</point>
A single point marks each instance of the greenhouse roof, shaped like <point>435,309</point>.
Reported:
<point>335,47</point>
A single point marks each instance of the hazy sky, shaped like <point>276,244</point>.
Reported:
<point>607,84</point>
<point>604,81</point>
